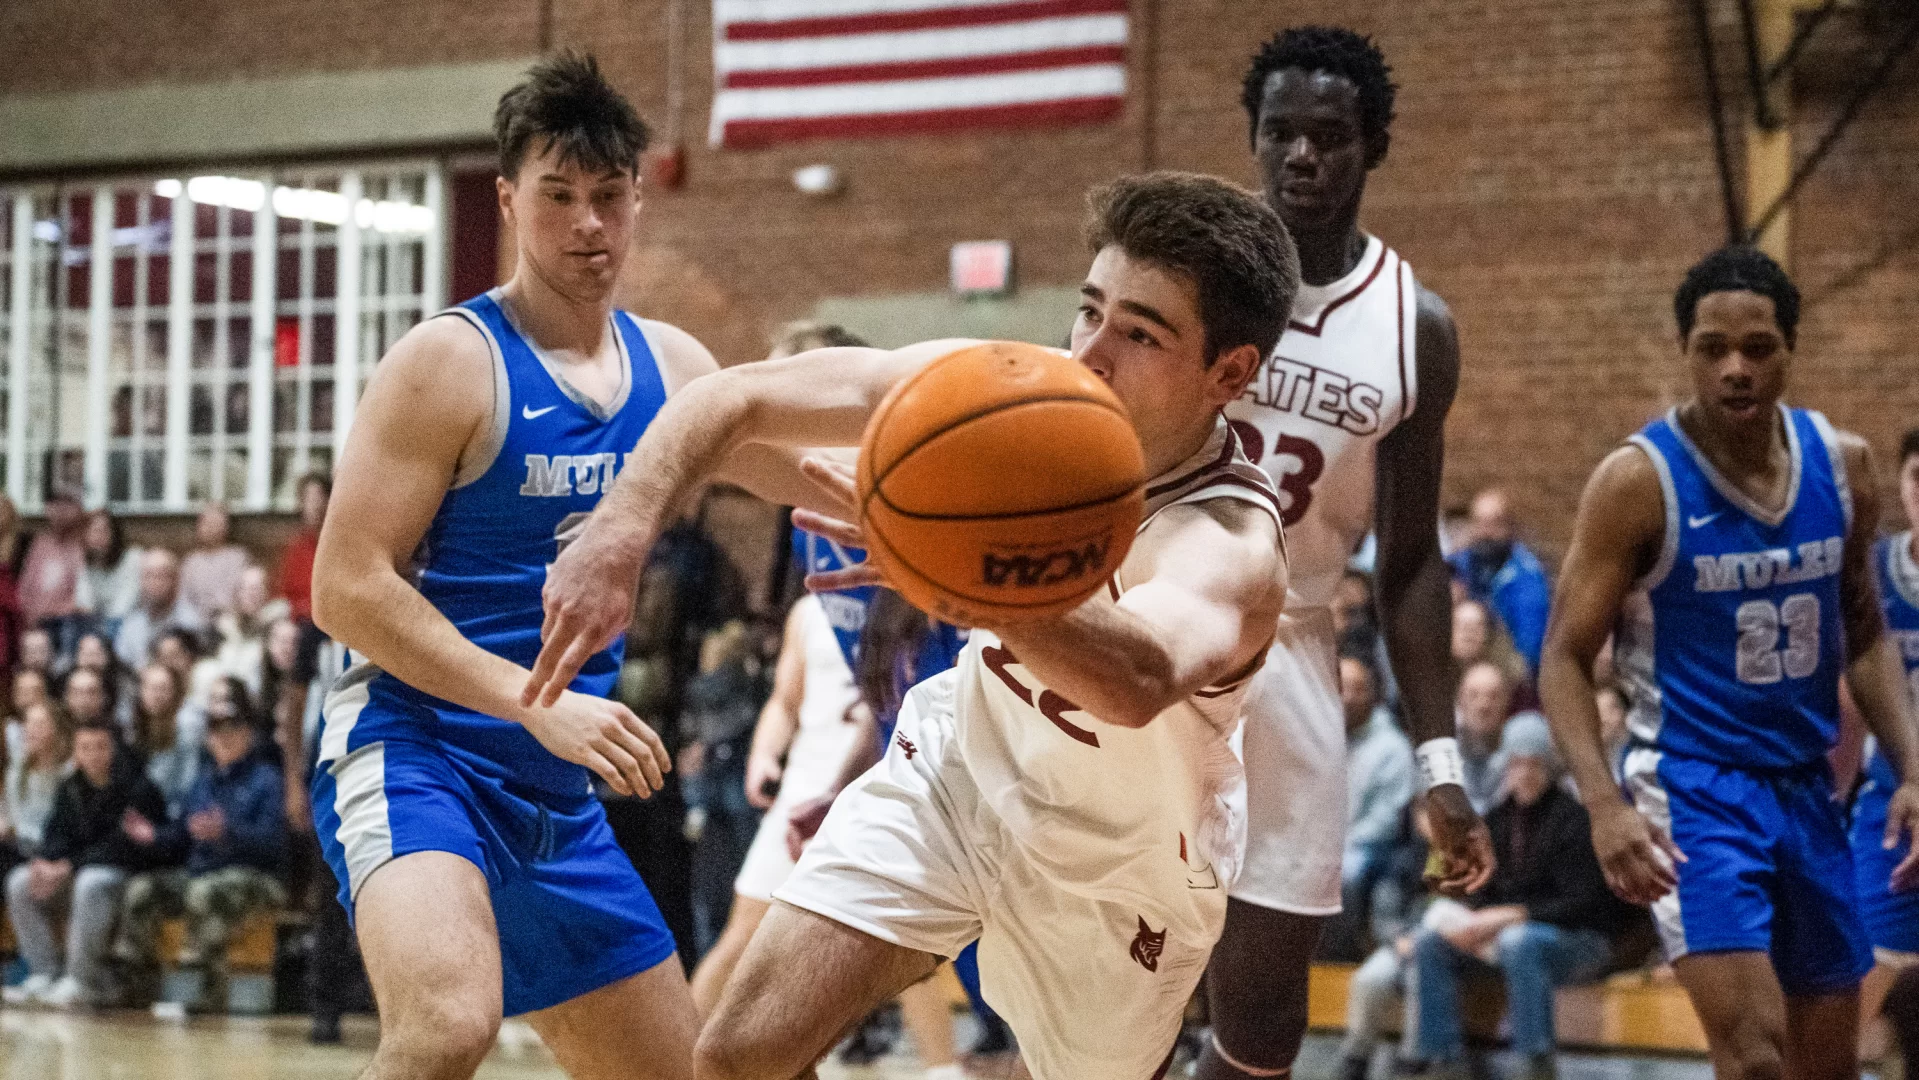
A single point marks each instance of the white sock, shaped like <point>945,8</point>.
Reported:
<point>945,1072</point>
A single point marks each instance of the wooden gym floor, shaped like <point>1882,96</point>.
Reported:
<point>131,1046</point>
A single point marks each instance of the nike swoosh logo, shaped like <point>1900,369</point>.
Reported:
<point>1696,522</point>
<point>532,413</point>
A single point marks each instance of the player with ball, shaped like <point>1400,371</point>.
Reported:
<point>1068,796</point>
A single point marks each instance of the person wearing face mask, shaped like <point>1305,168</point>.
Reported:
<point>1502,573</point>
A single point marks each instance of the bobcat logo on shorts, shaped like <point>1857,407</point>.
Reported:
<point>1148,945</point>
<point>905,744</point>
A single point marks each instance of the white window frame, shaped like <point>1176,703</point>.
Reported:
<point>404,237</point>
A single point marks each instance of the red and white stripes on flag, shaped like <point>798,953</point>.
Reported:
<point>801,69</point>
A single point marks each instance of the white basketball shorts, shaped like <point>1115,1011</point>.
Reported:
<point>912,855</point>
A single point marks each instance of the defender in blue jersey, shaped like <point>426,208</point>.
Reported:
<point>478,866</point>
<point>1727,549</point>
<point>1892,917</point>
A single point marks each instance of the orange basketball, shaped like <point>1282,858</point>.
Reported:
<point>1001,483</point>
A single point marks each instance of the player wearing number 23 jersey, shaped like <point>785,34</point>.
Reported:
<point>1731,648</point>
<point>1341,379</point>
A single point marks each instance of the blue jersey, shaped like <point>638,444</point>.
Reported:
<point>1899,595</point>
<point>484,558</point>
<point>846,611</point>
<point>846,608</point>
<point>1892,918</point>
<point>1732,646</point>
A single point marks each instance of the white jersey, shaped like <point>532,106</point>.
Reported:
<point>1341,378</point>
<point>1150,817</point>
<point>823,740</point>
<point>826,729</point>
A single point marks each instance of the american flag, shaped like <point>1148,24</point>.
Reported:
<point>801,69</point>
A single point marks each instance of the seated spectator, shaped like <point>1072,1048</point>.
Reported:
<point>88,698</point>
<point>12,622</point>
<point>243,628</point>
<point>106,815</point>
<point>1545,920</point>
<point>1355,623</point>
<point>210,574</point>
<point>93,653</point>
<point>280,689</point>
<point>33,770</point>
<point>296,562</point>
<point>29,688</point>
<point>1479,636</point>
<point>50,577</point>
<point>233,836</point>
<point>1484,703</point>
<point>110,579</point>
<point>36,651</point>
<point>161,608</point>
<point>180,651</point>
<point>1375,989</point>
<point>1379,785</point>
<point>1497,570</point>
<point>173,761</point>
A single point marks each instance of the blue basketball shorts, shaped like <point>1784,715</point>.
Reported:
<point>1892,918</point>
<point>573,914</point>
<point>1768,867</point>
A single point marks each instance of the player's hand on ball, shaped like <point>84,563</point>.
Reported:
<point>835,479</point>
<point>588,598</point>
<point>1640,861</point>
<point>1462,848</point>
<point>1902,823</point>
<point>605,737</point>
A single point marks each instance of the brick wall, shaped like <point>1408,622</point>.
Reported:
<point>1551,176</point>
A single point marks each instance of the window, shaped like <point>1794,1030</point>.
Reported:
<point>168,341</point>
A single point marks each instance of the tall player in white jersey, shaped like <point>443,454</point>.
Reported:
<point>1066,795</point>
<point>1348,417</point>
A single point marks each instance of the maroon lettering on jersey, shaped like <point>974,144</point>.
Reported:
<point>1052,706</point>
<point>1147,946</point>
<point>905,744</point>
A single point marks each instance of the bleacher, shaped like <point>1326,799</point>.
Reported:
<point>250,956</point>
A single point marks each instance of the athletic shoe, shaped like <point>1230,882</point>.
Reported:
<point>1537,1067</point>
<point>326,1030</point>
<point>66,994</point>
<point>30,992</point>
<point>1355,1068</point>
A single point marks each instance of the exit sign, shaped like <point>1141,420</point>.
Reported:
<point>982,268</point>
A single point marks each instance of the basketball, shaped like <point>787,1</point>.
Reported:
<point>1001,483</point>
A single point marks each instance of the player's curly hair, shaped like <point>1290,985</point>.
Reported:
<point>1738,268</point>
<point>565,102</point>
<point>1337,51</point>
<point>1221,237</point>
<point>1908,444</point>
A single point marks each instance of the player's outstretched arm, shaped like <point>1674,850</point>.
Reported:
<point>422,408</point>
<point>1874,672</point>
<point>1414,596</point>
<point>1621,524</point>
<point>1203,611</point>
<point>817,398</point>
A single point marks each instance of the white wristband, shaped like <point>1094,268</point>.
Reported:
<point>1439,763</point>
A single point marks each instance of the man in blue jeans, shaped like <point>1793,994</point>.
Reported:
<point>1546,919</point>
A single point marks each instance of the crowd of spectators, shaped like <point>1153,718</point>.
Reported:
<point>157,722</point>
<point>1546,919</point>
<point>162,707</point>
